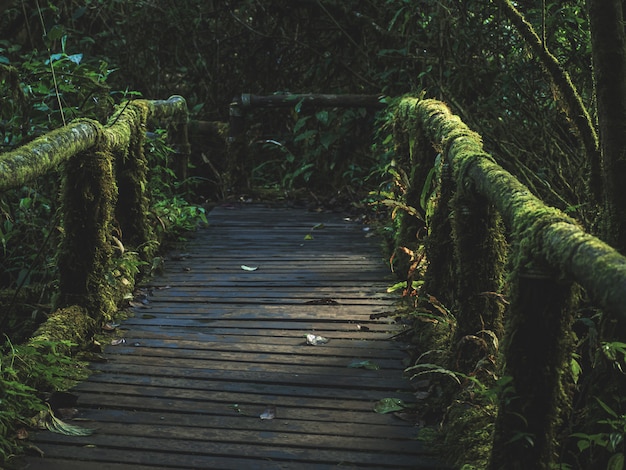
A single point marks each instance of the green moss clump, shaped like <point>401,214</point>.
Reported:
<point>71,324</point>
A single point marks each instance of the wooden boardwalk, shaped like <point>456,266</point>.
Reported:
<point>221,344</point>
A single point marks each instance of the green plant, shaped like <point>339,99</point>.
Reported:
<point>611,440</point>
<point>175,216</point>
<point>26,372</point>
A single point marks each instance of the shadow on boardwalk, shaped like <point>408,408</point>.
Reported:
<point>222,343</point>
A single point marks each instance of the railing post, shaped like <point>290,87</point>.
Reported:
<point>439,277</point>
<point>88,197</point>
<point>179,139</point>
<point>480,256</point>
<point>537,349</point>
<point>237,148</point>
<point>131,175</point>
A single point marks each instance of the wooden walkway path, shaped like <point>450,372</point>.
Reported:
<point>221,345</point>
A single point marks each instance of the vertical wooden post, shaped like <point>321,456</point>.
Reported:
<point>179,139</point>
<point>480,254</point>
<point>131,175</point>
<point>237,149</point>
<point>439,277</point>
<point>536,353</point>
<point>88,196</point>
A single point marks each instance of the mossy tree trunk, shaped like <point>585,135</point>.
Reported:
<point>608,42</point>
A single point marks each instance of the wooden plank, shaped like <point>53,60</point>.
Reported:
<point>206,356</point>
<point>104,379</point>
<point>253,357</point>
<point>261,375</point>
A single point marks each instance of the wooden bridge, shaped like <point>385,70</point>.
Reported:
<point>214,370</point>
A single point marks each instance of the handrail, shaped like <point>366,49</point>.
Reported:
<point>103,180</point>
<point>557,238</point>
<point>46,152</point>
<point>549,252</point>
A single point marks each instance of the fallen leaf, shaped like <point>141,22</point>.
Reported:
<point>21,434</point>
<point>117,342</point>
<point>315,340</point>
<point>54,424</point>
<point>364,365</point>
<point>249,268</point>
<point>269,413</point>
<point>308,236</point>
<point>110,326</point>
<point>389,405</point>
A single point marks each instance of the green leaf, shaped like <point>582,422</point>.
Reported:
<point>616,462</point>
<point>76,58</point>
<point>305,135</point>
<point>55,425</point>
<point>389,405</point>
<point>364,365</point>
<point>322,116</point>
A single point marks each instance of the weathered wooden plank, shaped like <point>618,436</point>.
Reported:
<point>263,377</point>
<point>345,340</point>
<point>242,422</point>
<point>345,313</point>
<point>168,453</point>
<point>285,345</point>
<point>104,379</point>
<point>207,355</point>
<point>253,357</point>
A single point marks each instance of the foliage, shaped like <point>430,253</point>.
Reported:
<point>26,372</point>
<point>325,151</point>
<point>170,209</point>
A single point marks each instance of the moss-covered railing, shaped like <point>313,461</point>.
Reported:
<point>104,175</point>
<point>488,230</point>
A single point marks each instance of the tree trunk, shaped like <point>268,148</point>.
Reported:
<point>608,42</point>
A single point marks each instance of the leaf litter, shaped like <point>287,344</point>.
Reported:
<point>389,405</point>
<point>364,365</point>
<point>314,340</point>
<point>269,413</point>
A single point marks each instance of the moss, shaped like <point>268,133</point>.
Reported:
<point>89,193</point>
<point>544,240</point>
<point>72,324</point>
<point>132,174</point>
<point>47,152</point>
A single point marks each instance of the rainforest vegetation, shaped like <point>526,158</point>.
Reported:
<point>543,82</point>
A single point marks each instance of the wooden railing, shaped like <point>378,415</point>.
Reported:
<point>548,255</point>
<point>104,173</point>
